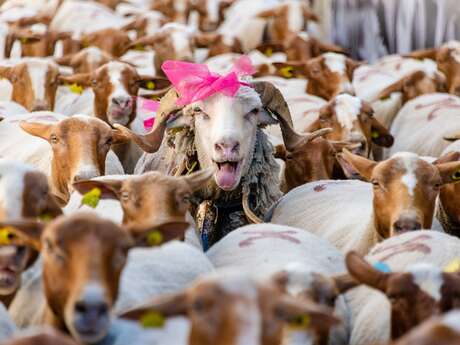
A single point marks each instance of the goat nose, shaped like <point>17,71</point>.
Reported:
<point>85,175</point>
<point>92,311</point>
<point>122,102</point>
<point>40,106</point>
<point>227,146</point>
<point>405,225</point>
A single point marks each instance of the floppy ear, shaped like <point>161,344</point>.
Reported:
<point>402,84</point>
<point>355,166</point>
<point>351,66</point>
<point>5,72</point>
<point>380,135</point>
<point>304,314</point>
<point>153,83</point>
<point>198,179</point>
<point>146,41</point>
<point>110,189</point>
<point>165,306</point>
<point>37,129</point>
<point>269,48</point>
<point>23,232</point>
<point>64,60</point>
<point>447,158</point>
<point>344,283</point>
<point>451,137</point>
<point>450,172</point>
<point>308,14</point>
<point>328,47</point>
<point>364,273</point>
<point>339,146</point>
<point>81,79</point>
<point>423,54</point>
<point>268,13</point>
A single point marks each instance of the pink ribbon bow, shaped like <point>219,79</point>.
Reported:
<point>195,82</point>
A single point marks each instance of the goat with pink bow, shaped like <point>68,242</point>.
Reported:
<point>216,121</point>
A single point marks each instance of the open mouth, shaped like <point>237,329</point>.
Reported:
<point>227,175</point>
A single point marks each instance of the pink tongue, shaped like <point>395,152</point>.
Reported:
<point>226,176</point>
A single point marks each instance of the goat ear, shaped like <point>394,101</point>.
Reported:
<point>424,54</point>
<point>153,83</point>
<point>351,66</point>
<point>451,137</point>
<point>304,314</point>
<point>268,13</point>
<point>450,172</point>
<point>5,72</point>
<point>22,232</point>
<point>265,118</point>
<point>81,79</point>
<point>339,146</point>
<point>205,39</point>
<point>344,283</point>
<point>447,158</point>
<point>364,273</point>
<point>380,135</point>
<point>308,14</point>
<point>355,166</point>
<point>179,120</point>
<point>110,189</point>
<point>402,84</point>
<point>164,306</point>
<point>37,129</point>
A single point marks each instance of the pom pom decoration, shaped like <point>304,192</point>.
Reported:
<point>92,198</point>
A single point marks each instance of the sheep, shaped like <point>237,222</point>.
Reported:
<point>427,251</point>
<point>65,148</point>
<point>221,132</point>
<point>401,198</point>
<point>302,263</point>
<point>422,123</point>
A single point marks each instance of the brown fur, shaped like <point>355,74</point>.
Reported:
<point>113,41</point>
<point>410,305</point>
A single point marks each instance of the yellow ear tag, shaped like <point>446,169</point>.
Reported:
<point>154,238</point>
<point>375,135</point>
<point>301,322</point>
<point>268,52</point>
<point>456,175</point>
<point>84,44</point>
<point>24,40</point>
<point>453,266</point>
<point>75,88</point>
<point>150,85</point>
<point>92,198</point>
<point>152,320</point>
<point>286,72</point>
<point>5,236</point>
<point>139,47</point>
<point>45,217</point>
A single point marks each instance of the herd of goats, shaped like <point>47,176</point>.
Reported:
<point>216,172</point>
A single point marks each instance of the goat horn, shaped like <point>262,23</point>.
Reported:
<point>273,100</point>
<point>252,217</point>
<point>319,133</point>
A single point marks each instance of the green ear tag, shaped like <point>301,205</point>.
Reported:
<point>154,238</point>
<point>152,320</point>
<point>92,198</point>
<point>268,52</point>
<point>286,72</point>
<point>375,135</point>
<point>45,217</point>
<point>75,88</point>
<point>5,236</point>
<point>150,85</point>
<point>456,175</point>
<point>453,266</point>
<point>301,322</point>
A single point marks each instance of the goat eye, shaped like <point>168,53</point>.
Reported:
<point>109,141</point>
<point>375,183</point>
<point>94,82</point>
<point>54,139</point>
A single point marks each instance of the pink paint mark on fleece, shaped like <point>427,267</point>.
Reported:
<point>260,235</point>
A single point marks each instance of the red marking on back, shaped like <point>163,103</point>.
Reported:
<point>259,235</point>
<point>449,102</point>
<point>412,245</point>
<point>319,188</point>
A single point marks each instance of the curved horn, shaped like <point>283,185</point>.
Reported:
<point>319,133</point>
<point>273,100</point>
<point>151,142</point>
<point>252,217</point>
